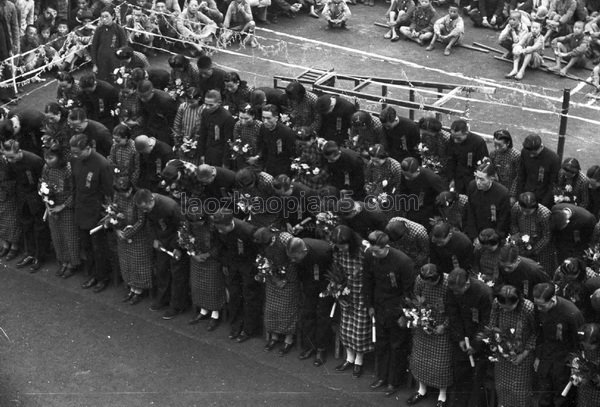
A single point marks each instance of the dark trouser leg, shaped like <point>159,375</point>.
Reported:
<point>111,242</point>
<point>180,282</point>
<point>399,350</point>
<point>324,333</point>
<point>252,292</point>
<point>236,301</point>
<point>469,383</point>
<point>101,255</point>
<point>552,378</point>
<point>507,44</point>
<point>163,278</point>
<point>86,251</point>
<point>309,315</point>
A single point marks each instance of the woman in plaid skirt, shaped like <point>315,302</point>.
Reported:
<point>355,325</point>
<point>186,127</point>
<point>10,229</point>
<point>431,358</point>
<point>530,229</point>
<point>282,289</point>
<point>134,246</point>
<point>514,376</point>
<point>486,257</point>
<point>570,279</point>
<point>382,180</point>
<point>56,188</point>
<point>207,281</point>
<point>573,186</point>
<point>246,130</point>
<point>506,160</point>
<point>589,394</point>
<point>123,156</point>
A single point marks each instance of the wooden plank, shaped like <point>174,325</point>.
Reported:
<point>421,84</point>
<point>447,96</point>
<point>362,85</point>
<point>577,88</point>
<point>383,25</point>
<point>593,96</point>
<point>480,45</point>
<point>466,46</point>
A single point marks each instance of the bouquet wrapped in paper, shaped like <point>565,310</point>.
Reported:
<point>418,314</point>
<point>428,159</point>
<point>266,269</point>
<point>502,344</point>
<point>240,149</point>
<point>186,239</point>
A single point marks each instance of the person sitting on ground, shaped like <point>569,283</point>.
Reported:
<point>596,77</point>
<point>572,47</point>
<point>421,23</point>
<point>448,29</point>
<point>528,52</point>
<point>195,26</point>
<point>560,17</point>
<point>512,34</point>
<point>239,19</point>
<point>337,13</point>
<point>141,35</point>
<point>398,15</point>
<point>487,13</point>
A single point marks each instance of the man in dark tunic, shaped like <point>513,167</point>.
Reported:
<point>210,76</point>
<point>468,305</point>
<point>520,272</point>
<point>401,136</point>
<point>313,258</point>
<point>30,209</point>
<point>95,131</point>
<point>25,126</point>
<point>465,150</point>
<point>276,143</point>
<point>99,99</point>
<point>93,181</point>
<point>336,117</point>
<point>216,130</point>
<point>538,170</point>
<point>388,278</point>
<point>450,249</point>
<point>218,182</point>
<point>572,229</point>
<point>157,112</point>
<point>238,254</point>
<point>164,217</point>
<point>154,155</point>
<point>559,321</point>
<point>360,218</point>
<point>345,169</point>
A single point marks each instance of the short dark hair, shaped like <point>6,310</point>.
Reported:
<point>78,114</point>
<point>388,115</point>
<point>544,291</point>
<point>458,278</point>
<point>204,62</point>
<point>271,108</point>
<point>378,238</point>
<point>459,125</point>
<point>430,124</point>
<point>504,135</point>
<point>143,196</point>
<point>88,80</point>
<point>122,131</point>
<point>81,141</point>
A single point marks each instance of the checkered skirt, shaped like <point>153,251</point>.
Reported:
<point>282,305</point>
<point>431,358</point>
<point>135,260</point>
<point>588,395</point>
<point>355,324</point>
<point>10,228</point>
<point>65,236</point>
<point>207,282</point>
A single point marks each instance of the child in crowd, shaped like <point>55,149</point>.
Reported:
<point>44,38</point>
<point>512,34</point>
<point>142,36</point>
<point>81,7</point>
<point>528,52</point>
<point>47,18</point>
<point>398,15</point>
<point>421,23</point>
<point>29,42</point>
<point>448,29</point>
<point>337,13</point>
<point>239,19</point>
<point>572,47</point>
<point>59,38</point>
<point>79,39</point>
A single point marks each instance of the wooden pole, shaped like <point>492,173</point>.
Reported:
<point>563,122</point>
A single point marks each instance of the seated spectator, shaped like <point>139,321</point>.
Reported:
<point>398,15</point>
<point>239,19</point>
<point>47,18</point>
<point>195,26</point>
<point>337,13</point>
<point>421,23</point>
<point>165,23</point>
<point>141,31</point>
<point>512,34</point>
<point>44,37</point>
<point>572,47</point>
<point>448,29</point>
<point>80,37</point>
<point>528,52</point>
<point>26,13</point>
<point>490,14</point>
<point>560,17</point>
<point>29,42</point>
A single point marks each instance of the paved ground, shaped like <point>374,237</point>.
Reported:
<point>65,347</point>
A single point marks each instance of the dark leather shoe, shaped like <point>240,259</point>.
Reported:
<point>344,366</point>
<point>157,306</point>
<point>199,317</point>
<point>89,284</point>
<point>390,390</point>
<point>12,253</point>
<point>25,261</point>
<point>213,324</point>
<point>377,384</point>
<point>415,398</point>
<point>4,251</point>
<point>441,403</point>
<point>270,345</point>
<point>306,353</point>
<point>135,299</point>
<point>100,286</point>
<point>128,296</point>
<point>357,371</point>
<point>60,271</point>
<point>171,313</point>
<point>35,265</point>
<point>234,333</point>
<point>285,349</point>
<point>319,358</point>
<point>242,337</point>
<point>69,272</point>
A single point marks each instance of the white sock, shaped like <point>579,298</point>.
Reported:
<point>350,356</point>
<point>203,311</point>
<point>422,389</point>
<point>215,315</point>
<point>442,396</point>
<point>359,359</point>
